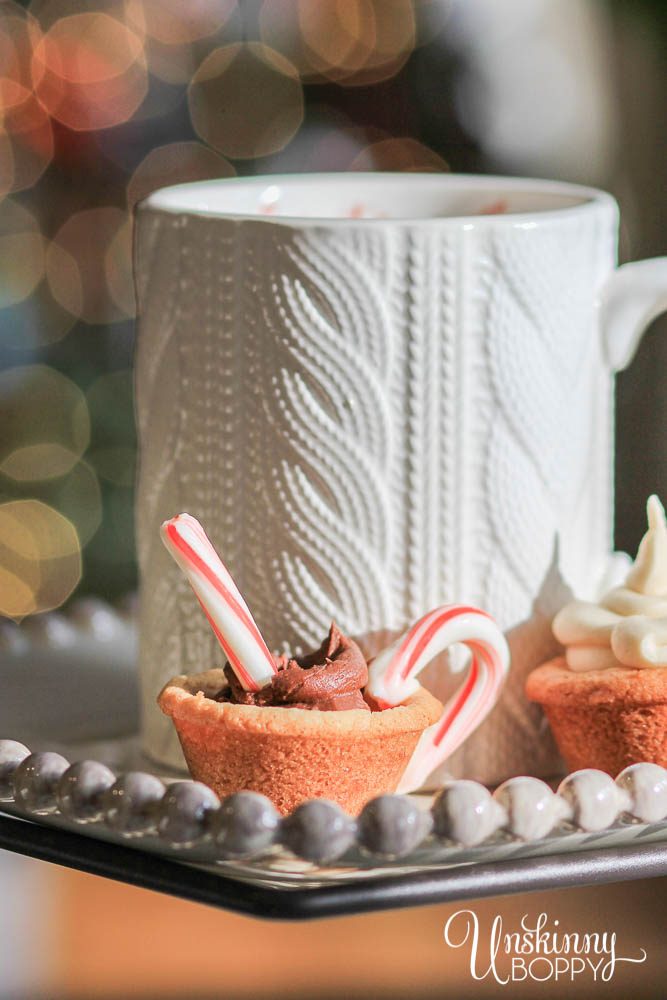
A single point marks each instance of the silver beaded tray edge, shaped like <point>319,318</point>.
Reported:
<point>245,838</point>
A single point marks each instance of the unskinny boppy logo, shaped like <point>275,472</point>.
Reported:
<point>538,950</point>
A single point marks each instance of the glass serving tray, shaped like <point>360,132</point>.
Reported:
<point>519,853</point>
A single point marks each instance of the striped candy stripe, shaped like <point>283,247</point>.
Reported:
<point>392,679</point>
<point>221,601</point>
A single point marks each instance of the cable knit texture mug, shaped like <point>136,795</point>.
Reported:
<point>382,393</point>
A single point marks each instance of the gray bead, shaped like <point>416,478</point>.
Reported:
<point>318,831</point>
<point>184,813</point>
<point>11,755</point>
<point>467,813</point>
<point>245,825</point>
<point>392,826</point>
<point>646,785</point>
<point>36,782</point>
<point>532,808</point>
<point>81,790</point>
<point>131,804</point>
<point>595,799</point>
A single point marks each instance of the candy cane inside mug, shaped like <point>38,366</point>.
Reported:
<point>392,679</point>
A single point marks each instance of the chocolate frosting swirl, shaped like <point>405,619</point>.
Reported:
<point>330,679</point>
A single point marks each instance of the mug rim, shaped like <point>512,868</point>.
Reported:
<point>590,198</point>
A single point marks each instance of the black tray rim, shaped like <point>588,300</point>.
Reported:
<point>191,882</point>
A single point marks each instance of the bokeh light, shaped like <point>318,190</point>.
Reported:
<point>175,64</point>
<point>89,71</point>
<point>173,22</point>
<point>338,35</point>
<point>115,465</point>
<point>45,423</point>
<point>40,558</point>
<point>358,42</point>
<point>102,103</point>
<point>118,269</point>
<point>34,323</point>
<point>353,42</point>
<point>27,144</point>
<point>175,48</point>
<point>87,272</point>
<point>280,28</point>
<point>78,497</point>
<point>7,172</point>
<point>246,100</point>
<point>176,163</point>
<point>19,33</point>
<point>21,253</point>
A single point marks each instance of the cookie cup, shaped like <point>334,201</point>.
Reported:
<point>606,719</point>
<point>292,754</point>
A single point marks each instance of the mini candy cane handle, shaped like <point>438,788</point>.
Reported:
<point>221,601</point>
<point>392,679</point>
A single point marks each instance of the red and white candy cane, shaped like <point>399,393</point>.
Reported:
<point>221,601</point>
<point>392,679</point>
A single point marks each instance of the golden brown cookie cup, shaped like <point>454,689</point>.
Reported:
<point>291,754</point>
<point>606,719</point>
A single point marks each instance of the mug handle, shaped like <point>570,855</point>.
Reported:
<point>630,299</point>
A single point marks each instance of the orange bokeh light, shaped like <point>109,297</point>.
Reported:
<point>89,71</point>
<point>173,22</point>
<point>19,33</point>
<point>354,42</point>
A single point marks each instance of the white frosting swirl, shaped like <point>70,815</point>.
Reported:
<point>629,626</point>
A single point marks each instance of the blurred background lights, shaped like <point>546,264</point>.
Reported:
<point>78,497</point>
<point>176,163</point>
<point>246,100</point>
<point>45,423</point>
<point>177,38</point>
<point>89,71</point>
<point>40,558</point>
<point>6,165</point>
<point>89,265</point>
<point>19,33</point>
<point>174,64</point>
<point>173,22</point>
<point>338,36</point>
<point>104,101</point>
<point>21,253</point>
<point>118,268</point>
<point>280,29</point>
<point>354,42</point>
<point>358,42</point>
<point>27,142</point>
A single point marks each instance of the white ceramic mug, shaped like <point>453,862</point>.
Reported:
<point>377,398</point>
